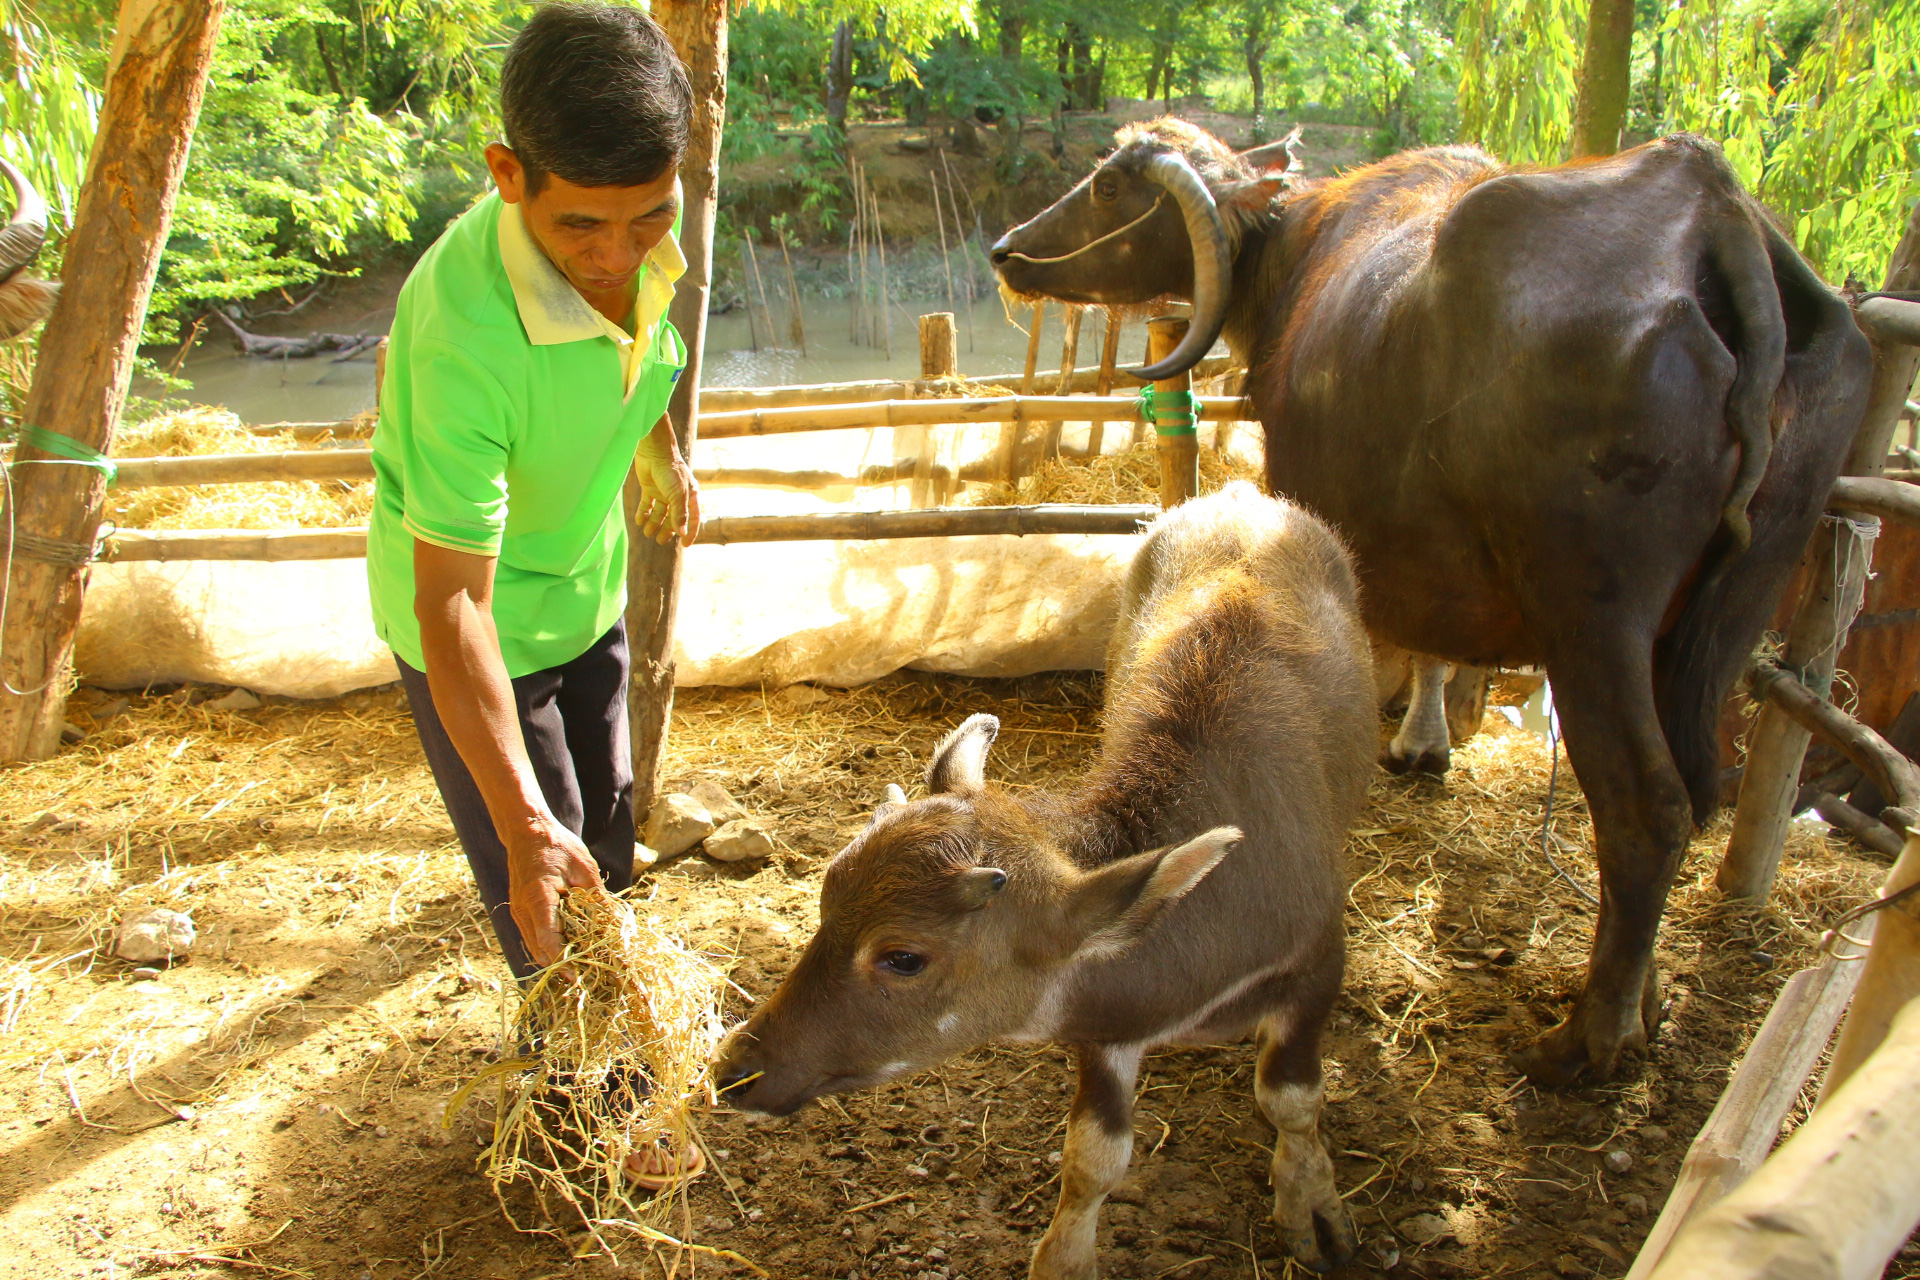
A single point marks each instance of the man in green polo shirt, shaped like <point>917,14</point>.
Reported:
<point>528,370</point>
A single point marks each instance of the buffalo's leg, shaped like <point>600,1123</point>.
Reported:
<point>1422,744</point>
<point>1099,1145</point>
<point>1313,1220</point>
<point>1642,818</point>
<point>1466,699</point>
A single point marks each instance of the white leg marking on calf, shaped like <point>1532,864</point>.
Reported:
<point>1303,1183</point>
<point>1092,1164</point>
<point>1424,731</point>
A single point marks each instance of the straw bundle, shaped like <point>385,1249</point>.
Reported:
<point>286,504</point>
<point>1131,475</point>
<point>617,1037</point>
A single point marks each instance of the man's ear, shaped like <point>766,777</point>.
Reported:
<point>1116,904</point>
<point>960,764</point>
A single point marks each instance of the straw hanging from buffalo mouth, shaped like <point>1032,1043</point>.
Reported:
<point>1092,244</point>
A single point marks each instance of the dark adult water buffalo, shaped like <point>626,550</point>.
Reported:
<point>24,299</point>
<point>1582,417</point>
<point>1188,891</point>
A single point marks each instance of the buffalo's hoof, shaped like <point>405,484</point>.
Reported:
<point>1326,1239</point>
<point>1427,760</point>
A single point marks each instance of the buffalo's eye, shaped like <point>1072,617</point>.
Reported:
<point>904,963</point>
<point>1107,190</point>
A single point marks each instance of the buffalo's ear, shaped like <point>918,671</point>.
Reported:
<point>1119,902</point>
<point>1251,196</point>
<point>960,764</point>
<point>896,796</point>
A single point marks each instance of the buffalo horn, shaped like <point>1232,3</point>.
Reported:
<point>1212,264</point>
<point>21,238</point>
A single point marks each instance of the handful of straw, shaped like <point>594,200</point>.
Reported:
<point>615,1038</point>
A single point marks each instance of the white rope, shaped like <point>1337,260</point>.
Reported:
<point>1091,244</point>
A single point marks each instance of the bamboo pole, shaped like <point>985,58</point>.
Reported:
<point>245,468</point>
<point>860,224</point>
<point>1888,499</point>
<point>698,31</point>
<point>938,522</point>
<point>886,294</point>
<point>1069,358</point>
<point>1897,777</point>
<point>1889,980</point>
<point>1007,448</point>
<point>1179,454</point>
<point>1746,1121</point>
<point>935,412</point>
<point>760,284</point>
<point>1838,1198</point>
<point>797,326</point>
<point>1109,357</point>
<point>746,288</point>
<point>156,79</point>
<point>1086,379</point>
<point>1832,598</point>
<point>965,255</point>
<point>853,293</point>
<point>946,260</point>
<point>935,522</point>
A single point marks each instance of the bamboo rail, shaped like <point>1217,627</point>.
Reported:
<point>245,468</point>
<point>1890,320</point>
<point>1888,499</point>
<point>858,526</point>
<point>921,413</point>
<point>1897,777</point>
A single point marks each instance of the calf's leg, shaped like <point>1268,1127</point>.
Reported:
<point>1422,744</point>
<point>1642,818</point>
<point>1099,1145</point>
<point>1313,1220</point>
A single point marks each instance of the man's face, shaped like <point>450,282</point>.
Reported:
<point>597,236</point>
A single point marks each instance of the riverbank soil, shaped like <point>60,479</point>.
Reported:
<point>274,1106</point>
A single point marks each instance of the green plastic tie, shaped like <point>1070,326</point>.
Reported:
<point>1172,413</point>
<point>68,448</point>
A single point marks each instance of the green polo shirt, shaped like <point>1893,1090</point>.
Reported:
<point>509,416</point>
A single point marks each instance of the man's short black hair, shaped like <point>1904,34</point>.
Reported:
<point>595,94</point>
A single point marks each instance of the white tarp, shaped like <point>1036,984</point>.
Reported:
<point>838,613</point>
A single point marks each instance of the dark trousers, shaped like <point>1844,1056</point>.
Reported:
<point>574,720</point>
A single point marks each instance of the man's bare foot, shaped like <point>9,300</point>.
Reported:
<point>655,1167</point>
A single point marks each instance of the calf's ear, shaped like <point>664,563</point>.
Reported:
<point>1120,901</point>
<point>960,764</point>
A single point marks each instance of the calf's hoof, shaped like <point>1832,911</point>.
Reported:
<point>1055,1259</point>
<point>1322,1238</point>
<point>1427,760</point>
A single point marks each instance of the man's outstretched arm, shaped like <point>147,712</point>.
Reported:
<point>453,599</point>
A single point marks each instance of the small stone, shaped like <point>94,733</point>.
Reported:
<point>720,805</point>
<point>642,856</point>
<point>739,841</point>
<point>1568,1265</point>
<point>1764,959</point>
<point>695,869</point>
<point>435,1139</point>
<point>238,700</point>
<point>915,1171</point>
<point>678,822</point>
<point>803,695</point>
<point>1653,1135</point>
<point>1634,1203</point>
<point>1388,1256</point>
<point>756,1215</point>
<point>1424,1228</point>
<point>718,1224</point>
<point>1618,1161</point>
<point>153,935</point>
<point>144,974</point>
<point>379,1131</point>
<point>1417,1185</point>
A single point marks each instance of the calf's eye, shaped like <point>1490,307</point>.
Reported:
<point>904,963</point>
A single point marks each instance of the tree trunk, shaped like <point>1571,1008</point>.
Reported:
<point>1600,112</point>
<point>839,75</point>
<point>157,78</point>
<point>698,30</point>
<point>1255,48</point>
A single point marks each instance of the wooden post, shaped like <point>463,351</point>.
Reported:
<point>155,82</point>
<point>1007,452</point>
<point>939,358</point>
<point>1109,357</point>
<point>698,30</point>
<point>1834,590</point>
<point>746,289</point>
<point>1838,1198</point>
<point>1179,454</point>
<point>797,325</point>
<point>1890,979</point>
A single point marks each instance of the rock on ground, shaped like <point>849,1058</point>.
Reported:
<point>153,935</point>
<point>678,822</point>
<point>720,804</point>
<point>739,841</point>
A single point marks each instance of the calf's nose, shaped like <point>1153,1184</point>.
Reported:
<point>730,1076</point>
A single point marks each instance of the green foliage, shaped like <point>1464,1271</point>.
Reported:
<point>48,99</point>
<point>1519,64</point>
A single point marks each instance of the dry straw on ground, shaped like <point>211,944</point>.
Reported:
<point>616,1039</point>
<point>202,430</point>
<point>1131,475</point>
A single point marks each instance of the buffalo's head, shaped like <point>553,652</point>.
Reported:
<point>24,300</point>
<point>1161,217</point>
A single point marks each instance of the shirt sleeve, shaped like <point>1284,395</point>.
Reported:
<point>456,478</point>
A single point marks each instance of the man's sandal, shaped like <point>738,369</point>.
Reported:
<point>679,1171</point>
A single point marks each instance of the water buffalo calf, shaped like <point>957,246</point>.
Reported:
<point>1189,890</point>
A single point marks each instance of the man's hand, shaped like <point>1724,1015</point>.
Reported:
<point>669,496</point>
<point>544,860</point>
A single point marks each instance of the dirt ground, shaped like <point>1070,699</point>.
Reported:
<point>273,1107</point>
